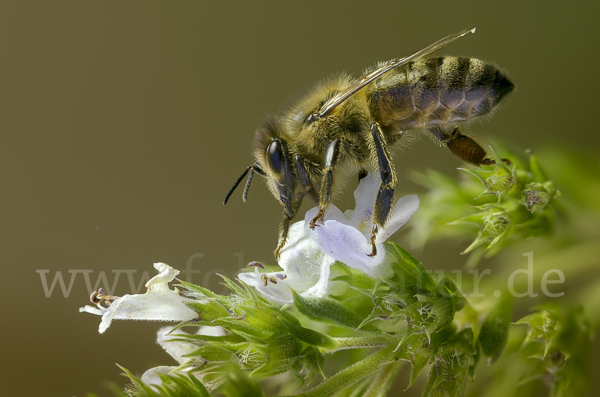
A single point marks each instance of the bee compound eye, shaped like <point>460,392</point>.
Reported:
<point>275,159</point>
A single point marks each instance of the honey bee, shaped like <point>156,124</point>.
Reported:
<point>349,125</point>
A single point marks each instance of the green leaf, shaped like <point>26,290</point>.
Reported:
<point>409,273</point>
<point>310,336</point>
<point>328,310</point>
<point>493,335</point>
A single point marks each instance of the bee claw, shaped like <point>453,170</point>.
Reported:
<point>317,218</point>
<point>374,252</point>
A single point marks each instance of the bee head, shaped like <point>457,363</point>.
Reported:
<point>273,154</point>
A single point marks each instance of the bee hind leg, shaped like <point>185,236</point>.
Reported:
<point>385,197</point>
<point>464,147</point>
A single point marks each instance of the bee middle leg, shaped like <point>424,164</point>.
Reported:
<point>385,197</point>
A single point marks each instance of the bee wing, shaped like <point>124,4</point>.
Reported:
<point>366,79</point>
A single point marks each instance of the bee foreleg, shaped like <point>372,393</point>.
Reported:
<point>284,226</point>
<point>331,159</point>
<point>385,197</point>
<point>304,176</point>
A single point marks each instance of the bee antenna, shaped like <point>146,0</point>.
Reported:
<point>250,175</point>
<point>235,185</point>
<point>252,169</point>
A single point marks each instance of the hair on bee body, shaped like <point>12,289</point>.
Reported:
<point>346,126</point>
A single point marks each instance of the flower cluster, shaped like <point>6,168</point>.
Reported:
<point>517,203</point>
<point>291,325</point>
<point>344,237</point>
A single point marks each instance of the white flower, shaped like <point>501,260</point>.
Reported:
<point>159,303</point>
<point>177,350</point>
<point>308,254</point>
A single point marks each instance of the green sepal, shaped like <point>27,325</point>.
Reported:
<point>381,384</point>
<point>310,362</point>
<point>449,372</point>
<point>537,196</point>
<point>282,349</point>
<point>448,288</point>
<point>440,309</point>
<point>211,352</point>
<point>239,384</point>
<point>241,327</point>
<point>536,169</point>
<point>414,348</point>
<point>476,358</point>
<point>235,288</point>
<point>176,385</point>
<point>197,289</point>
<point>138,384</point>
<point>208,311</point>
<point>191,338</point>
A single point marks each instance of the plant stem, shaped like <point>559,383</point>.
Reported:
<point>349,376</point>
<point>382,383</point>
<point>360,342</point>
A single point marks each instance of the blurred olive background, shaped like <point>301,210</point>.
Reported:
<point>125,123</point>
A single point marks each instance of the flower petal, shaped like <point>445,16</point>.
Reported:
<point>177,350</point>
<point>159,303</point>
<point>346,244</point>
<point>150,377</point>
<point>364,197</point>
<point>279,292</point>
<point>319,290</point>
<point>404,208</point>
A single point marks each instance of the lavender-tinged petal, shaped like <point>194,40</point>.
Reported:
<point>331,213</point>
<point>346,244</point>
<point>404,208</point>
<point>365,196</point>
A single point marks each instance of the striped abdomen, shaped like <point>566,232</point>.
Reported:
<point>436,91</point>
